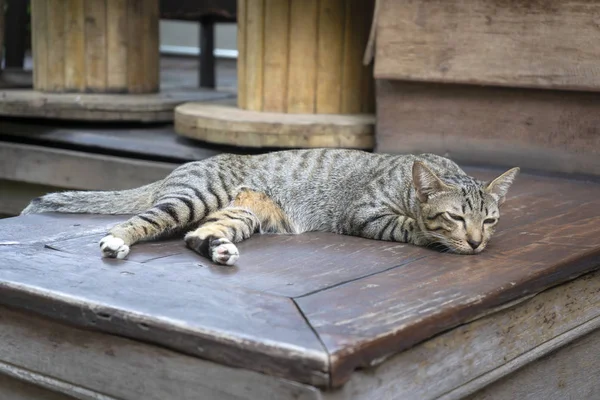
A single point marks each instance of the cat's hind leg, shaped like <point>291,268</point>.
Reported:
<point>167,215</point>
<point>250,212</point>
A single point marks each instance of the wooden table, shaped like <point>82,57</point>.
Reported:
<point>314,316</point>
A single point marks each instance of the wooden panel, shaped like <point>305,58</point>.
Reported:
<point>356,32</point>
<point>275,69</point>
<point>536,129</point>
<point>241,46</point>
<point>254,54</point>
<point>72,169</point>
<point>302,78</point>
<point>150,46</point>
<point>195,322</point>
<point>56,45</point>
<point>74,46</point>
<point>570,373</point>
<point>117,45</point>
<point>474,355</point>
<point>526,44</point>
<point>39,29</point>
<point>95,45</point>
<point>13,389</point>
<point>135,23</point>
<point>93,365</point>
<point>332,17</point>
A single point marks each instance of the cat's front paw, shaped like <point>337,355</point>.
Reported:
<point>113,247</point>
<point>219,250</point>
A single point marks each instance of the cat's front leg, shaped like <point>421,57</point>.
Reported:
<point>392,227</point>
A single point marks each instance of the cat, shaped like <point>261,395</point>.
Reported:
<point>420,199</point>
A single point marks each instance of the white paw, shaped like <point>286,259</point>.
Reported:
<point>113,247</point>
<point>224,252</point>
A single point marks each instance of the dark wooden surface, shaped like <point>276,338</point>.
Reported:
<point>311,308</point>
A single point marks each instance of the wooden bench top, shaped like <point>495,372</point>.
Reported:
<point>310,308</point>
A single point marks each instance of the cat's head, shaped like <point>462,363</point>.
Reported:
<point>460,214</point>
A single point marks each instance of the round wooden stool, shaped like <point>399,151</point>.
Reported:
<point>301,81</point>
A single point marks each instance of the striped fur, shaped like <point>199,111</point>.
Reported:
<point>424,200</point>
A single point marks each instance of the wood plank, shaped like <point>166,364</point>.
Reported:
<point>56,46</point>
<point>254,51</point>
<point>117,45</point>
<point>482,42</point>
<point>95,45</point>
<point>39,29</point>
<point>332,17</point>
<point>152,107</point>
<point>241,46</point>
<point>357,18</point>
<point>135,69</point>
<point>93,362</point>
<point>275,68</point>
<point>77,170</point>
<point>475,355</point>
<point>569,373</point>
<point>535,129</point>
<point>241,335</point>
<point>74,46</point>
<point>154,142</point>
<point>14,389</point>
<point>302,77</point>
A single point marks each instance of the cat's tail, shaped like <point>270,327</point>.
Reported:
<point>131,201</point>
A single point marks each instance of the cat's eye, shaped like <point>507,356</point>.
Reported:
<point>456,217</point>
<point>489,221</point>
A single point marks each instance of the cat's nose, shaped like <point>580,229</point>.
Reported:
<point>474,244</point>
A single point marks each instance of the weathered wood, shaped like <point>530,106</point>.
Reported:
<point>570,373</point>
<point>14,389</point>
<point>72,169</point>
<point>75,68</point>
<point>224,124</point>
<point>108,107</point>
<point>103,46</point>
<point>475,355</point>
<point>83,364</point>
<point>304,57</point>
<point>522,43</point>
<point>537,129</point>
<point>241,335</point>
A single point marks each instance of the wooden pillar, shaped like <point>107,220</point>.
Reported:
<point>304,56</point>
<point>99,46</point>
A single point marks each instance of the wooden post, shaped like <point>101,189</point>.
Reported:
<point>310,61</point>
<point>99,46</point>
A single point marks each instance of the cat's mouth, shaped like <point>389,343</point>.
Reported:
<point>446,248</point>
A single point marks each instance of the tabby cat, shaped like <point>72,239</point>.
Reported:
<point>423,200</point>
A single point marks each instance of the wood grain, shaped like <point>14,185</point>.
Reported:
<point>15,389</point>
<point>536,129</point>
<point>39,29</point>
<point>76,170</point>
<point>331,28</point>
<point>153,107</point>
<point>242,336</point>
<point>75,46</point>
<point>275,67</point>
<point>302,76</point>
<point>508,43</point>
<point>254,54</point>
<point>242,54</point>
<point>117,45</point>
<point>95,46</point>
<point>224,124</point>
<point>56,46</point>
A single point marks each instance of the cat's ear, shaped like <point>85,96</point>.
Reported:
<point>426,182</point>
<point>499,186</point>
